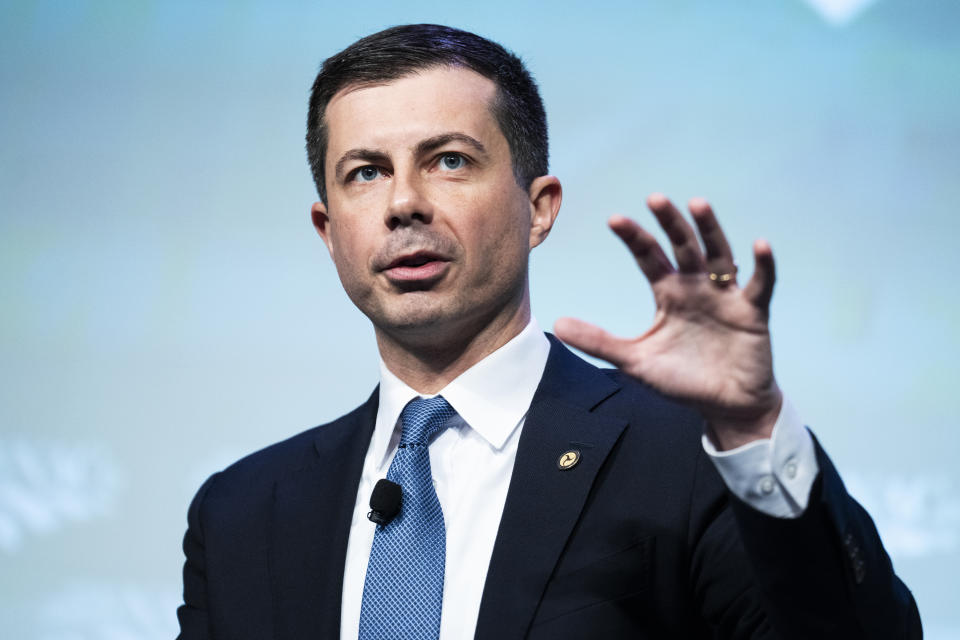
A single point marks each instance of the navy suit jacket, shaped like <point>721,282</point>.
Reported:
<point>640,539</point>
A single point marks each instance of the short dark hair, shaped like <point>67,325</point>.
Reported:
<point>398,51</point>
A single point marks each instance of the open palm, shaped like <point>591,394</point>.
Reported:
<point>709,345</point>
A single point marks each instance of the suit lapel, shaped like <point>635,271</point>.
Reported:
<point>313,509</point>
<point>544,503</point>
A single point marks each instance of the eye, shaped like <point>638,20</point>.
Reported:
<point>452,162</point>
<point>367,173</point>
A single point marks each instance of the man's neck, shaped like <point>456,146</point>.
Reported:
<point>431,367</point>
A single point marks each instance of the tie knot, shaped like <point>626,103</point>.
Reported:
<point>422,417</point>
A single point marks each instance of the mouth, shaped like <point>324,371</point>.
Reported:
<point>418,266</point>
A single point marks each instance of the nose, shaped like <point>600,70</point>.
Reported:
<point>408,202</point>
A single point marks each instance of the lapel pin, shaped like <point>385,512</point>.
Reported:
<point>568,459</point>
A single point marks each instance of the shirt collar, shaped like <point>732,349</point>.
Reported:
<point>492,396</point>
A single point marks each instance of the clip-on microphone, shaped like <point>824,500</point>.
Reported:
<point>385,502</point>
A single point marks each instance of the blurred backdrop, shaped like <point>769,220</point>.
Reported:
<point>166,307</point>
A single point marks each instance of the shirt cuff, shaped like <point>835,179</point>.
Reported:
<point>771,475</point>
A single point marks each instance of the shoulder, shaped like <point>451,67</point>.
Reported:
<point>658,426</point>
<point>257,472</point>
<point>638,397</point>
<point>650,416</point>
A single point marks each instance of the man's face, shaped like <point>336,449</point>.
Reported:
<point>426,224</point>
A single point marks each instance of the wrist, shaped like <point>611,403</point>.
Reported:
<point>729,430</point>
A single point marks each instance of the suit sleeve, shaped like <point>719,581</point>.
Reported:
<point>826,573</point>
<point>192,614</point>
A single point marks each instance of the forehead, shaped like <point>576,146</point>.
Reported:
<point>411,108</point>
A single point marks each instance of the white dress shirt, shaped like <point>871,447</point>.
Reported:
<point>472,461</point>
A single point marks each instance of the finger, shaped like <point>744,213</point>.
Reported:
<point>645,249</point>
<point>592,339</point>
<point>686,249</point>
<point>760,288</point>
<point>718,251</point>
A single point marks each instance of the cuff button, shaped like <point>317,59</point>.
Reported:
<point>790,469</point>
<point>766,485</point>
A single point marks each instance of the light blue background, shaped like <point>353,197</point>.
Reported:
<point>167,307</point>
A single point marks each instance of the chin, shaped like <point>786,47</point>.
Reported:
<point>415,315</point>
<point>425,318</point>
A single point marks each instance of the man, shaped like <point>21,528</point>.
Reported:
<point>539,496</point>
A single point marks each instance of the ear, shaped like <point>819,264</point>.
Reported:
<point>321,222</point>
<point>545,196</point>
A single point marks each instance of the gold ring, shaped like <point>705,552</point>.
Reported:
<point>723,279</point>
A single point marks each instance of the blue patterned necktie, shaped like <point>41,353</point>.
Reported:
<point>403,592</point>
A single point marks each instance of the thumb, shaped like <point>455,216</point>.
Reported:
<point>591,339</point>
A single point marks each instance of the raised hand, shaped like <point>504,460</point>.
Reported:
<point>709,345</point>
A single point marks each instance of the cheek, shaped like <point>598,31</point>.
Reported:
<point>513,223</point>
<point>350,253</point>
<point>502,235</point>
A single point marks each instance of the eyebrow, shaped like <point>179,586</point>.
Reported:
<point>375,156</point>
<point>431,144</point>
